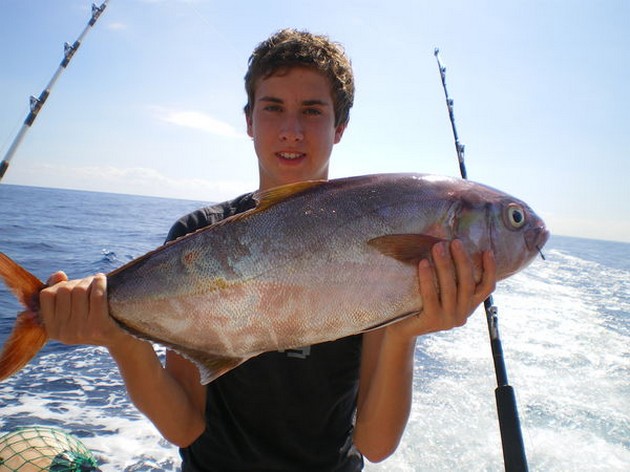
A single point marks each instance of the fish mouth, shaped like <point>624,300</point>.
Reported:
<point>536,238</point>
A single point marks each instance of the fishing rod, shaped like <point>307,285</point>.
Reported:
<point>36,103</point>
<point>511,435</point>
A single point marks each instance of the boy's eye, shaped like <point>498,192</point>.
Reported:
<point>272,108</point>
<point>312,111</point>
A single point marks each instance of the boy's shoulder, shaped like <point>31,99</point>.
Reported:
<point>210,214</point>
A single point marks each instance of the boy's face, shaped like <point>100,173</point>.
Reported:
<point>293,126</point>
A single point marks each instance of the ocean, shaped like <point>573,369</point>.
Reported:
<point>564,323</point>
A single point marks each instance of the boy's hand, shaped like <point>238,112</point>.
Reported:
<point>76,311</point>
<point>450,292</point>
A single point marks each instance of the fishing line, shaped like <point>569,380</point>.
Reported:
<point>14,130</point>
<point>36,103</point>
<point>204,19</point>
<point>514,457</point>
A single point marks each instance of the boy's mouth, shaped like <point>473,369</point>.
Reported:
<point>291,156</point>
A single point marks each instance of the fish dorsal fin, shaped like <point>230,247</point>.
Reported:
<point>406,248</point>
<point>268,198</point>
<point>265,199</point>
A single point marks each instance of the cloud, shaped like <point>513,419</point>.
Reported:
<point>116,25</point>
<point>198,120</point>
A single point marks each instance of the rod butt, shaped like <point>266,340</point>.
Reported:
<point>4,165</point>
<point>513,448</point>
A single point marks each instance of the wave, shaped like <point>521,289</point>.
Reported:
<point>564,325</point>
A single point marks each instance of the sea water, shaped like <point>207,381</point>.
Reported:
<point>564,323</point>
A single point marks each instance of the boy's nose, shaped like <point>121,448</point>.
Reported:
<point>291,130</point>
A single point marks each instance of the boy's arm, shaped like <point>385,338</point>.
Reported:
<point>450,294</point>
<point>173,404</point>
<point>76,312</point>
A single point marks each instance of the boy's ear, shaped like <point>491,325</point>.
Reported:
<point>339,132</point>
<point>250,125</point>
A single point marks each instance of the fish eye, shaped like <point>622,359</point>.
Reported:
<point>516,216</point>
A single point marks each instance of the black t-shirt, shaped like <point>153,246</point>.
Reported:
<point>280,411</point>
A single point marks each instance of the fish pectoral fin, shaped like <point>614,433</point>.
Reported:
<point>406,248</point>
<point>210,366</point>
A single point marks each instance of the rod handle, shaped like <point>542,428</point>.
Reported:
<point>4,165</point>
<point>513,448</point>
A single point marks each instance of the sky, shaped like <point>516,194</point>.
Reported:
<point>151,103</point>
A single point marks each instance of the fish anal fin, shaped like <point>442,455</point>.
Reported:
<point>406,248</point>
<point>392,321</point>
<point>24,342</point>
<point>210,366</point>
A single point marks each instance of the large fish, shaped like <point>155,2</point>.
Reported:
<point>313,262</point>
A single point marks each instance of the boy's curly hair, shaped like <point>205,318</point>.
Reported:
<point>290,48</point>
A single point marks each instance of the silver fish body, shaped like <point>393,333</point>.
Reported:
<point>313,262</point>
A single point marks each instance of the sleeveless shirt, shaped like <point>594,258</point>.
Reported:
<point>280,411</point>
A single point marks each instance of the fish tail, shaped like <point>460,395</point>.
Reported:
<point>28,335</point>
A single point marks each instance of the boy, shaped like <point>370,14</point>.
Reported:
<point>320,408</point>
